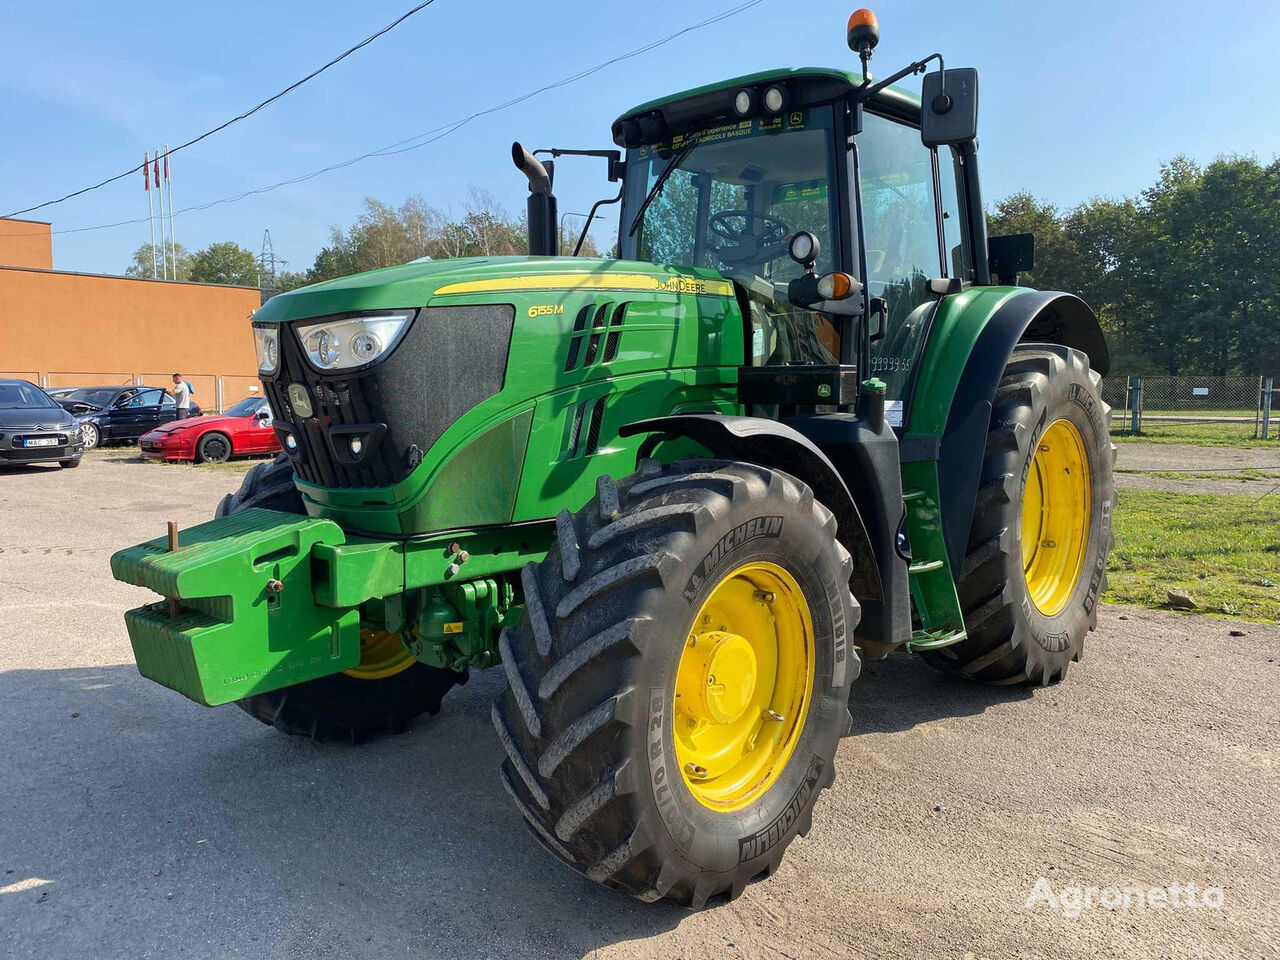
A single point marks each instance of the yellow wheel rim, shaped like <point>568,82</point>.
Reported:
<point>382,655</point>
<point>1055,517</point>
<point>743,686</point>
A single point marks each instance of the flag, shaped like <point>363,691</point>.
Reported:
<point>146,172</point>
<point>156,170</point>
<point>166,164</point>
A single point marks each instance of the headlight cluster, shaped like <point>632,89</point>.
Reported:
<point>266,341</point>
<point>340,344</point>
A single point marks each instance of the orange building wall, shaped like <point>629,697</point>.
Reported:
<point>81,329</point>
<point>26,243</point>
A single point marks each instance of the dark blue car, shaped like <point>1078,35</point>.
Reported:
<point>120,414</point>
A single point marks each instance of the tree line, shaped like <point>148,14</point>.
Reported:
<point>1185,277</point>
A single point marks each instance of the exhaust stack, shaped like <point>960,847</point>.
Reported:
<point>543,229</point>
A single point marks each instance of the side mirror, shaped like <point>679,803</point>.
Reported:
<point>1010,255</point>
<point>949,107</point>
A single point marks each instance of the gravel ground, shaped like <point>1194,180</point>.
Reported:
<point>1217,468</point>
<point>136,824</point>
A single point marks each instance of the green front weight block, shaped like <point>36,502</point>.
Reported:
<point>246,619</point>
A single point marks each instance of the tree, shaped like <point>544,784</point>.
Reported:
<point>226,262</point>
<point>140,266</point>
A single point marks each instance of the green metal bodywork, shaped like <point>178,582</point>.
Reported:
<point>436,556</point>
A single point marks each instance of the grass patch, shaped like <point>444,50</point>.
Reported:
<point>1222,549</point>
<point>1197,434</point>
<point>1244,473</point>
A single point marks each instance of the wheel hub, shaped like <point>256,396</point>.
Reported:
<point>720,681</point>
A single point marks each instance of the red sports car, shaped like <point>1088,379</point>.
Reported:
<point>244,429</point>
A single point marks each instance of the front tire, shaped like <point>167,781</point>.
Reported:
<point>383,694</point>
<point>69,464</point>
<point>629,758</point>
<point>90,435</point>
<point>1037,555</point>
<point>213,448</point>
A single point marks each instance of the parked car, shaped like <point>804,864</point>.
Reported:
<point>244,429</point>
<point>34,429</point>
<point>120,414</point>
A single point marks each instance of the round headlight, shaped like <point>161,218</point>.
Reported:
<point>744,103</point>
<point>323,347</point>
<point>774,100</point>
<point>365,346</point>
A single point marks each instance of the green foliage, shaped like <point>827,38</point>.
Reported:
<point>140,265</point>
<point>1183,277</point>
<point>226,262</point>
<point>384,236</point>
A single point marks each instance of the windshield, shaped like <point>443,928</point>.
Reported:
<point>736,195</point>
<point>19,396</point>
<point>730,203</point>
<point>98,396</point>
<point>245,408</point>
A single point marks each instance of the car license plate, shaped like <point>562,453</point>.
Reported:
<point>40,442</point>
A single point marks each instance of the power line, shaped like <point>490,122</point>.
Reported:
<point>428,137</point>
<point>248,113</point>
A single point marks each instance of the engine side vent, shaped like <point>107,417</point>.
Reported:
<point>575,343</point>
<point>597,342</point>
<point>615,334</point>
<point>584,434</point>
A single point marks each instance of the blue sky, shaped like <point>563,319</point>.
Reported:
<point>1078,99</point>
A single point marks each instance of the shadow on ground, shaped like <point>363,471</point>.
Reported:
<point>903,691</point>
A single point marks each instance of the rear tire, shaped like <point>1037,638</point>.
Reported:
<point>338,707</point>
<point>592,721</point>
<point>1048,398</point>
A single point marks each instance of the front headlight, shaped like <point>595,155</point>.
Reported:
<point>266,341</point>
<point>340,344</point>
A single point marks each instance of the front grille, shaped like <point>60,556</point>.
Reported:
<point>450,359</point>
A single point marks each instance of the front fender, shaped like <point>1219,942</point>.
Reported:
<point>772,444</point>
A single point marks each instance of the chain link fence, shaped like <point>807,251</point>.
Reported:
<point>1224,409</point>
<point>214,392</point>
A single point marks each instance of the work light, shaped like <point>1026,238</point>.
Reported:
<point>343,343</point>
<point>744,104</point>
<point>774,99</point>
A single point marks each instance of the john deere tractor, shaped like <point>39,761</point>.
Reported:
<point>805,418</point>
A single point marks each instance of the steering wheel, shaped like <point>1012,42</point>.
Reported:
<point>737,240</point>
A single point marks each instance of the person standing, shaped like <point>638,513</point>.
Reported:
<point>181,396</point>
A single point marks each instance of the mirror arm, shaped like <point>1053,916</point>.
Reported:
<point>867,92</point>
<point>591,216</point>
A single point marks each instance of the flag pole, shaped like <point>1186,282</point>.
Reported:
<point>173,245</point>
<point>164,253</point>
<point>151,214</point>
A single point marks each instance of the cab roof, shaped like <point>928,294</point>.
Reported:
<point>805,86</point>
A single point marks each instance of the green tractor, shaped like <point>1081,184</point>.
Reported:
<point>807,417</point>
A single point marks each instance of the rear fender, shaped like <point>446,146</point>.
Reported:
<point>775,445</point>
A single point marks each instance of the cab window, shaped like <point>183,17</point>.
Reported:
<point>903,237</point>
